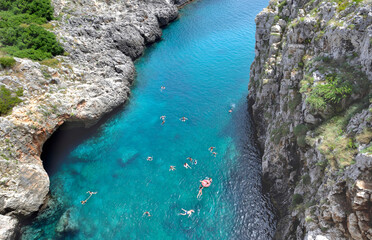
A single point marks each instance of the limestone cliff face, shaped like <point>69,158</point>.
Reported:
<point>102,38</point>
<point>310,92</point>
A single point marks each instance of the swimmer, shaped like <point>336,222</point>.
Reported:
<point>149,159</point>
<point>195,161</point>
<point>211,149</point>
<point>162,88</point>
<point>185,212</point>
<point>214,154</point>
<point>200,193</point>
<point>186,166</point>
<point>189,158</point>
<point>172,168</point>
<point>90,195</point>
<point>162,118</point>
<point>183,119</point>
<point>146,213</point>
<point>230,111</point>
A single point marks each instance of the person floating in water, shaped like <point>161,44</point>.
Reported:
<point>146,213</point>
<point>185,212</point>
<point>90,195</point>
<point>211,149</point>
<point>200,193</point>
<point>214,154</point>
<point>183,119</point>
<point>163,119</point>
<point>172,168</point>
<point>195,161</point>
<point>150,159</point>
<point>162,88</point>
<point>186,166</point>
<point>204,184</point>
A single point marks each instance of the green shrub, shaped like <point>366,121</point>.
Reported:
<point>332,92</point>
<point>8,100</point>
<point>281,5</point>
<point>297,199</point>
<point>279,132</point>
<point>276,19</point>
<point>292,104</point>
<point>306,179</point>
<point>21,33</point>
<point>7,62</point>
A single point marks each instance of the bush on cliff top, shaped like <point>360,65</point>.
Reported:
<point>7,61</point>
<point>21,33</point>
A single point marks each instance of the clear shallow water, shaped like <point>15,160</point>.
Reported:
<point>203,61</point>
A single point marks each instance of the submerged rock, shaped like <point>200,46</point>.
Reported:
<point>68,222</point>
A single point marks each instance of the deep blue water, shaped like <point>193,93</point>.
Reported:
<point>203,61</point>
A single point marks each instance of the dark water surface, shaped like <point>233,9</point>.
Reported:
<point>203,61</point>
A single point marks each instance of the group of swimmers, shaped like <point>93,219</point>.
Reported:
<point>86,200</point>
<point>203,183</point>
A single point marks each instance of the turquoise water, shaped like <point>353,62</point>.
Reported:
<point>203,61</point>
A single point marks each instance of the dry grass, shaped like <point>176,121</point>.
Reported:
<point>338,148</point>
<point>365,137</point>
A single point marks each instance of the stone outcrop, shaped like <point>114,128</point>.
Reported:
<point>102,38</point>
<point>8,227</point>
<point>310,93</point>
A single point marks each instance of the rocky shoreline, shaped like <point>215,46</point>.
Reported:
<point>317,153</point>
<point>102,39</point>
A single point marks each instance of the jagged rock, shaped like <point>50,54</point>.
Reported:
<point>352,226</point>
<point>8,227</point>
<point>294,41</point>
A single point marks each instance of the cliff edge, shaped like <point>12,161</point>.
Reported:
<point>310,93</point>
<point>102,39</point>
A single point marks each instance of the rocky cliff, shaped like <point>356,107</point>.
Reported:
<point>102,39</point>
<point>310,93</point>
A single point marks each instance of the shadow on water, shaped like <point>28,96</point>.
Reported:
<point>67,137</point>
<point>253,206</point>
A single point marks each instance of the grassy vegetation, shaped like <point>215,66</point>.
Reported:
<point>343,4</point>
<point>8,99</point>
<point>339,148</point>
<point>281,5</point>
<point>279,132</point>
<point>306,180</point>
<point>21,29</point>
<point>7,61</point>
<point>300,133</point>
<point>297,199</point>
<point>292,104</point>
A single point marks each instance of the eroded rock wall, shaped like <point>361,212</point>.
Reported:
<point>102,39</point>
<point>310,92</point>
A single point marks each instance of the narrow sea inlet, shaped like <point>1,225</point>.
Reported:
<point>203,62</point>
